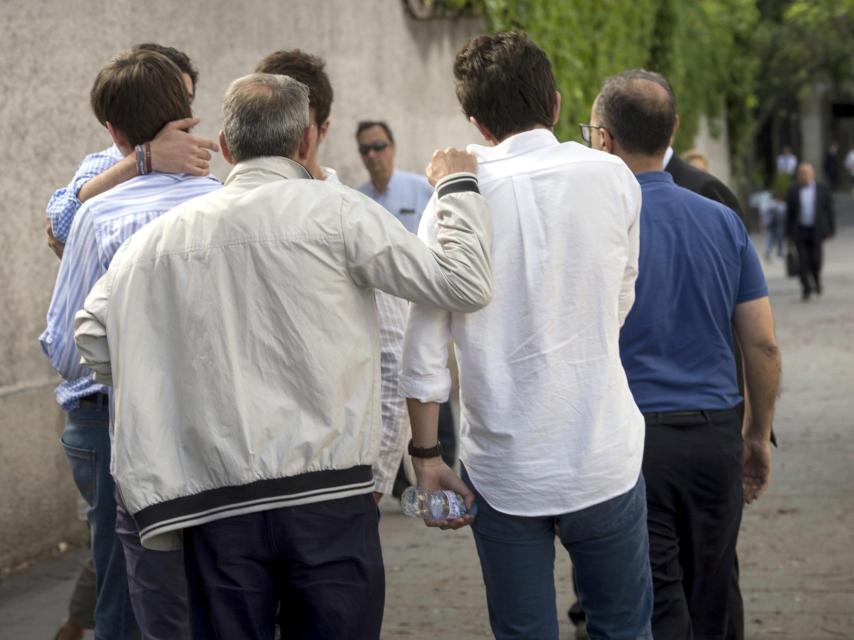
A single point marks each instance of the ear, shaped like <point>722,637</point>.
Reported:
<point>118,137</point>
<point>556,109</point>
<point>322,130</point>
<point>486,133</point>
<point>304,145</point>
<point>226,152</point>
<point>606,143</point>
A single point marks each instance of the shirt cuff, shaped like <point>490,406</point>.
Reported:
<point>383,482</point>
<point>456,183</point>
<point>426,388</point>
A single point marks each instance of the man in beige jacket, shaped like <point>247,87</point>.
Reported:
<point>240,331</point>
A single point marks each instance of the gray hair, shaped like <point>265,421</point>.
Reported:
<point>265,115</point>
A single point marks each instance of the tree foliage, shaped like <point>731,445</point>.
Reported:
<point>747,58</point>
<point>699,45</point>
<point>800,43</point>
<point>702,46</point>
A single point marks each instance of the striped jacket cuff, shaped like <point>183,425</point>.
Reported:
<point>457,182</point>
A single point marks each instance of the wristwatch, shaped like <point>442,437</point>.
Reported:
<point>425,452</point>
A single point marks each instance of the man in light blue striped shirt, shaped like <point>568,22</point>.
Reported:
<point>173,150</point>
<point>98,229</point>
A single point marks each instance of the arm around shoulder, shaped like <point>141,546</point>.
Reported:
<point>455,274</point>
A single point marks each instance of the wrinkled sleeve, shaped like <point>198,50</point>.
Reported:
<point>425,375</point>
<point>630,273</point>
<point>63,204</point>
<point>78,271</point>
<point>90,331</point>
<point>391,313</point>
<point>455,274</point>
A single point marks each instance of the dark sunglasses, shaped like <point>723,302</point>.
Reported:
<point>364,149</point>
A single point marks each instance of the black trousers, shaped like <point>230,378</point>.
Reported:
<point>809,259</point>
<point>693,470</point>
<point>319,565</point>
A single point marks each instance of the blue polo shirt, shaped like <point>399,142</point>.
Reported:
<point>696,264</point>
<point>405,197</point>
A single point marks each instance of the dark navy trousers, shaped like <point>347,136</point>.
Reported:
<point>317,569</point>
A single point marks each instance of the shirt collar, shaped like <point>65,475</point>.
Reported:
<point>515,145</point>
<point>275,165</point>
<point>648,177</point>
<point>668,156</point>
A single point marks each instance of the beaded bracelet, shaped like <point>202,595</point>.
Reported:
<point>139,150</point>
<point>143,159</point>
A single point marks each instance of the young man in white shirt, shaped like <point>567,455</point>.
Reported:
<point>550,433</point>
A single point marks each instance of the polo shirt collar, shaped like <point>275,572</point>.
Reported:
<point>275,165</point>
<point>516,145</point>
<point>654,176</point>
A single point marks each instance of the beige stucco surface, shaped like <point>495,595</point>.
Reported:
<point>382,65</point>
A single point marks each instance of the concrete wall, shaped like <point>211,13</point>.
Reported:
<point>382,65</point>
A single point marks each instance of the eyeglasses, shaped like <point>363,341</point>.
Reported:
<point>586,131</point>
<point>365,149</point>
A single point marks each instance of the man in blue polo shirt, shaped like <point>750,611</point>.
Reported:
<point>699,277</point>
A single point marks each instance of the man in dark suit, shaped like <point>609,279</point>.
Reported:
<point>809,222</point>
<point>704,183</point>
<point>701,182</point>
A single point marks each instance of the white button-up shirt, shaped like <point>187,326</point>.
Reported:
<point>807,216</point>
<point>549,425</point>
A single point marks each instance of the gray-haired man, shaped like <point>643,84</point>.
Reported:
<point>243,340</point>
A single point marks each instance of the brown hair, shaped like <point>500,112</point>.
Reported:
<point>181,59</point>
<point>506,83</point>
<point>307,69</point>
<point>138,93</point>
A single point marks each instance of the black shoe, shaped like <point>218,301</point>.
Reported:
<point>818,288</point>
<point>805,294</point>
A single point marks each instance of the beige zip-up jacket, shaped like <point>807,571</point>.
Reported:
<point>240,333</point>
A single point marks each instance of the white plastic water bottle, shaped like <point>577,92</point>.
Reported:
<point>432,505</point>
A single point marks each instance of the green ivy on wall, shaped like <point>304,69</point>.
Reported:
<point>704,47</point>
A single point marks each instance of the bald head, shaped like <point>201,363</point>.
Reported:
<point>639,110</point>
<point>806,174</point>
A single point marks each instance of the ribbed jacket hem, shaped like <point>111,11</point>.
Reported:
<point>157,521</point>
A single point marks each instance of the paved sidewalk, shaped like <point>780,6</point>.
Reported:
<point>796,542</point>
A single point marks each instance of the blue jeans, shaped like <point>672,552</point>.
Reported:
<point>86,441</point>
<point>609,548</point>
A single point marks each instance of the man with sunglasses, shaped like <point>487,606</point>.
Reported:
<point>403,193</point>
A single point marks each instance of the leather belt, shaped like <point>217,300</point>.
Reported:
<point>96,400</point>
<point>689,417</point>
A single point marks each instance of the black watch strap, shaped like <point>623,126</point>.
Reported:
<point>425,452</point>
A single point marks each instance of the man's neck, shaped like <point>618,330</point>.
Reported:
<point>642,163</point>
<point>381,182</point>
